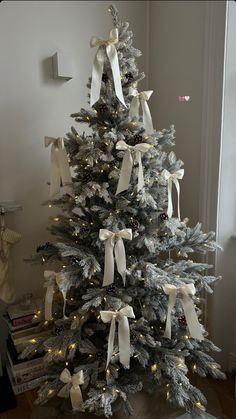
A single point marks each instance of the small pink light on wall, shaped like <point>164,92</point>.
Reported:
<point>184,98</point>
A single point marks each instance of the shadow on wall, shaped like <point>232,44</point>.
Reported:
<point>47,73</point>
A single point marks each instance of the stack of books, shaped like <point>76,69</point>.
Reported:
<point>23,324</point>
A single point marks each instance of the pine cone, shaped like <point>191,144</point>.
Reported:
<point>111,289</point>
<point>102,108</point>
<point>163,216</point>
<point>84,229</point>
<point>138,138</point>
<point>129,77</point>
<point>134,224</point>
<point>87,177</point>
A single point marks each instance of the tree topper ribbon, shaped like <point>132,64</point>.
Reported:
<point>52,278</point>
<point>72,388</point>
<point>173,178</point>
<point>142,98</point>
<point>98,65</point>
<point>114,241</point>
<point>60,169</point>
<point>123,333</point>
<point>184,292</point>
<point>127,164</point>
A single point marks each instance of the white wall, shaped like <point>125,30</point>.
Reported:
<point>224,307</point>
<point>177,59</point>
<point>33,105</point>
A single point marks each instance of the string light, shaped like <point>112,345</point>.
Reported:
<point>50,206</point>
<point>154,368</point>
<point>198,404</point>
<point>43,259</point>
<point>72,346</point>
<point>33,341</point>
<point>50,391</point>
<point>194,367</point>
<point>56,219</point>
<point>46,323</point>
<point>49,350</point>
<point>186,337</point>
<point>67,363</point>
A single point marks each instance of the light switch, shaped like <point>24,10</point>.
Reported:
<point>62,66</point>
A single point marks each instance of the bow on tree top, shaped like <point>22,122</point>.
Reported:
<point>114,242</point>
<point>141,98</point>
<point>72,388</point>
<point>184,292</point>
<point>123,333</point>
<point>127,164</point>
<point>98,65</point>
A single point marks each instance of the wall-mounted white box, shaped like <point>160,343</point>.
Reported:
<point>62,66</point>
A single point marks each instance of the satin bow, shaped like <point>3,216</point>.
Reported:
<point>127,164</point>
<point>142,98</point>
<point>173,178</point>
<point>114,241</point>
<point>63,284</point>
<point>60,169</point>
<point>184,292</point>
<point>72,388</point>
<point>98,65</point>
<point>123,333</point>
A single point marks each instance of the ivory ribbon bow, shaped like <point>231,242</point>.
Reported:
<point>142,98</point>
<point>127,164</point>
<point>173,178</point>
<point>52,278</point>
<point>184,293</point>
<point>60,169</point>
<point>123,333</point>
<point>114,241</point>
<point>72,388</point>
<point>99,64</point>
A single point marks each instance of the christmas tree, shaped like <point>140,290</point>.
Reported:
<point>131,297</point>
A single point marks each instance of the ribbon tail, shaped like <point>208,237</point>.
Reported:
<point>120,258</point>
<point>65,391</point>
<point>147,118</point>
<point>76,398</point>
<point>109,263</point>
<point>55,178</point>
<point>170,204</point>
<point>171,303</point>
<point>140,172</point>
<point>124,341</point>
<point>48,302</point>
<point>97,70</point>
<point>191,318</point>
<point>125,173</point>
<point>176,182</point>
<point>134,107</point>
<point>65,171</point>
<point>113,58</point>
<point>64,304</point>
<point>111,339</point>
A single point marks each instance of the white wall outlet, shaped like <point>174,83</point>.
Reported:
<point>62,66</point>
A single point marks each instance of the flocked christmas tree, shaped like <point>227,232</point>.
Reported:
<point>131,297</point>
